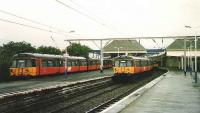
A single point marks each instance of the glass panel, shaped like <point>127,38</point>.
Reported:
<point>54,63</point>
<point>14,63</point>
<point>50,63</point>
<point>28,63</point>
<point>129,63</point>
<point>21,63</point>
<point>80,63</point>
<point>122,63</point>
<point>61,63</point>
<point>116,63</point>
<point>137,63</point>
<point>69,63</point>
<point>44,63</point>
<point>73,63</point>
<point>33,62</point>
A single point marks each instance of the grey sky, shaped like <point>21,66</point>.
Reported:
<point>122,18</point>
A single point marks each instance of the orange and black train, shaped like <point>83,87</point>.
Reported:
<point>129,66</point>
<point>34,64</point>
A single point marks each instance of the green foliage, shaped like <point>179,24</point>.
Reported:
<point>49,50</point>
<point>76,49</point>
<point>12,48</point>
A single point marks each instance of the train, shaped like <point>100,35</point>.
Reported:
<point>130,66</point>
<point>35,64</point>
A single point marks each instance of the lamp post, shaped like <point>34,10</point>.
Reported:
<point>118,49</point>
<point>195,43</point>
<point>191,62</point>
<point>66,54</point>
<point>185,57</point>
<point>195,59</point>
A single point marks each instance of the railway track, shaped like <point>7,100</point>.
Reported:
<point>36,100</point>
<point>90,96</point>
<point>102,100</point>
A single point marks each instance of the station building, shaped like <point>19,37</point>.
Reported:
<point>124,47</point>
<point>175,54</point>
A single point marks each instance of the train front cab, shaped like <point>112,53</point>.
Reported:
<point>123,68</point>
<point>24,67</point>
<point>130,68</point>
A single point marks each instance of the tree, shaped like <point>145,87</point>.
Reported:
<point>76,49</point>
<point>49,50</point>
<point>12,48</point>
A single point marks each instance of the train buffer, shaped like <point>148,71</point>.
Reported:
<point>174,93</point>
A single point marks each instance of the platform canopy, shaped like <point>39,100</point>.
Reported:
<point>178,45</point>
<point>124,46</point>
<point>177,48</point>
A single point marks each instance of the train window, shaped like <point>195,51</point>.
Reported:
<point>69,63</point>
<point>80,63</point>
<point>122,63</point>
<point>150,63</point>
<point>44,63</point>
<point>21,63</point>
<point>137,63</point>
<point>61,63</point>
<point>98,62</point>
<point>77,63</point>
<point>143,62</point>
<point>54,63</point>
<point>90,63</point>
<point>50,63</point>
<point>30,63</point>
<point>73,63</point>
<point>116,63</point>
<point>57,63</point>
<point>129,63</point>
<point>84,63</point>
<point>14,63</point>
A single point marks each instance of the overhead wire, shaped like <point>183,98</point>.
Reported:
<point>32,21</point>
<point>97,17</point>
<point>90,17</point>
<point>13,22</point>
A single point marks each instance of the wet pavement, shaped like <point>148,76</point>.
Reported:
<point>175,93</point>
<point>28,84</point>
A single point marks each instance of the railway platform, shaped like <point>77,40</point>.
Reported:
<point>174,93</point>
<point>48,81</point>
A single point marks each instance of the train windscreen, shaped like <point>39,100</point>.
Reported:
<point>123,63</point>
<point>23,63</point>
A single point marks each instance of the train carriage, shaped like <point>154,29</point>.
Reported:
<point>34,64</point>
<point>107,63</point>
<point>76,64</point>
<point>128,66</point>
<point>93,64</point>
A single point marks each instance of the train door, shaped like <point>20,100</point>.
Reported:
<point>21,66</point>
<point>137,65</point>
<point>69,65</point>
<point>43,67</point>
<point>61,64</point>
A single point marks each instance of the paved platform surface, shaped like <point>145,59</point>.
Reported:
<point>22,85</point>
<point>175,93</point>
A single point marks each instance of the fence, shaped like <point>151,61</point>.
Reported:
<point>4,72</point>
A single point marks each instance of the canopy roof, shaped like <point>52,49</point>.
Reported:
<point>124,45</point>
<point>178,45</point>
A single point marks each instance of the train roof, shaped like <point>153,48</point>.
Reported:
<point>131,57</point>
<point>38,55</point>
